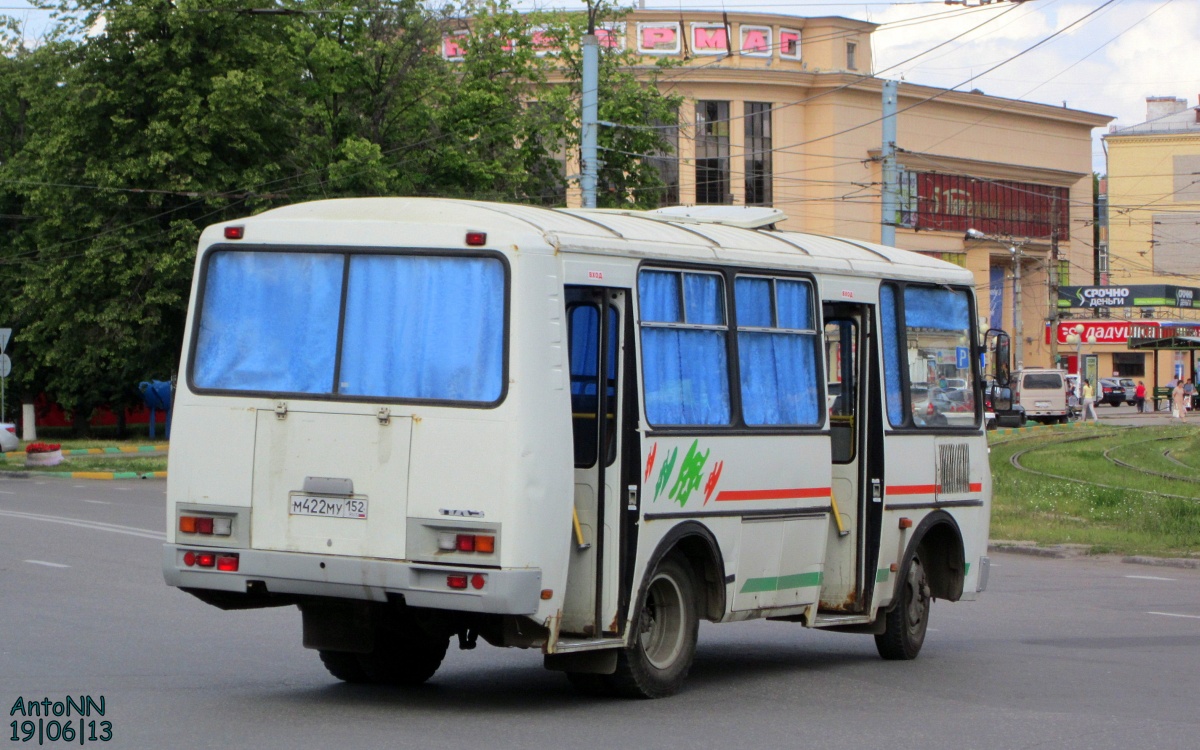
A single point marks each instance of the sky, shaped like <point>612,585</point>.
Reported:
<point>1108,56</point>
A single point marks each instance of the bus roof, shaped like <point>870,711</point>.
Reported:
<point>711,235</point>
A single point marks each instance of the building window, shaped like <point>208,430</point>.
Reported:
<point>1129,364</point>
<point>712,153</point>
<point>666,163</point>
<point>1064,273</point>
<point>852,55</point>
<point>758,154</point>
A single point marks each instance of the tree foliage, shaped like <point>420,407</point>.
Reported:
<point>132,124</point>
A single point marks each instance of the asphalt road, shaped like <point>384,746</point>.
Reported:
<point>1061,654</point>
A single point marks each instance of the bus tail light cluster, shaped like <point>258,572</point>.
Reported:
<point>206,525</point>
<point>459,581</point>
<point>225,562</point>
<point>452,542</point>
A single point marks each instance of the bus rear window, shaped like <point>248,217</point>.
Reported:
<point>412,327</point>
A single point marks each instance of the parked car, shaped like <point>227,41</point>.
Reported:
<point>1111,392</point>
<point>1130,386</point>
<point>8,437</point>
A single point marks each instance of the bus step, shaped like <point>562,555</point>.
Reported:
<point>569,645</point>
<point>827,620</point>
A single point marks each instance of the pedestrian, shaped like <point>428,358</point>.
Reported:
<point>1089,402</point>
<point>1139,396</point>
<point>1189,394</point>
<point>1177,409</point>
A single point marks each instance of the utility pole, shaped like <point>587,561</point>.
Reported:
<point>1052,283</point>
<point>1018,335</point>
<point>587,140</point>
<point>888,210</point>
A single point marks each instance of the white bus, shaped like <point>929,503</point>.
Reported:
<point>579,431</point>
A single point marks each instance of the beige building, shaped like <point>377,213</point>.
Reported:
<point>1154,231</point>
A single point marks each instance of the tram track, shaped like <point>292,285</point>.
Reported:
<point>1015,460</point>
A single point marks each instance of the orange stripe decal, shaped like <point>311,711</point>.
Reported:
<point>798,493</point>
<point>912,489</point>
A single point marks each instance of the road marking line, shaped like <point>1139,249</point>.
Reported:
<point>7,492</point>
<point>47,564</point>
<point>1172,614</point>
<point>1150,578</point>
<point>93,525</point>
<point>95,502</point>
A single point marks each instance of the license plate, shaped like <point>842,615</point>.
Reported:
<point>327,507</point>
<point>1042,404</point>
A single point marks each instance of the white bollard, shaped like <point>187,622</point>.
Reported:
<point>28,428</point>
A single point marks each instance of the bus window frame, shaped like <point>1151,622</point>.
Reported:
<point>347,252</point>
<point>908,427</point>
<point>736,425</point>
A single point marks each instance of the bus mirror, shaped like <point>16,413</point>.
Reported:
<point>1000,347</point>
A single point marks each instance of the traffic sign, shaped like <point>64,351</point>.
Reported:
<point>5,365</point>
<point>962,357</point>
<point>5,335</point>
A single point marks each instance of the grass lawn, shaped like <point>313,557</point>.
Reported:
<point>1117,490</point>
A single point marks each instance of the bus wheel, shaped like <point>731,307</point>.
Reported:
<point>404,659</point>
<point>906,622</point>
<point>656,663</point>
<point>344,666</point>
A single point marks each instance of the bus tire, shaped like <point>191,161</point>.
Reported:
<point>344,666</point>
<point>905,624</point>
<point>663,642</point>
<point>405,661</point>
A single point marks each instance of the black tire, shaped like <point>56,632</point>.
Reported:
<point>344,666</point>
<point>904,633</point>
<point>406,658</point>
<point>663,644</point>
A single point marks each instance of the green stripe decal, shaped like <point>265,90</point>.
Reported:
<point>882,575</point>
<point>780,583</point>
<point>966,569</point>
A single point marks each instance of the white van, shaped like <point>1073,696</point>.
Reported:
<point>1043,394</point>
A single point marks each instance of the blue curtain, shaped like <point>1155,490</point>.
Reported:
<point>424,327</point>
<point>685,370</point>
<point>778,370</point>
<point>939,309</point>
<point>892,376</point>
<point>268,322</point>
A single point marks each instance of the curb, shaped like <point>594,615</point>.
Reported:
<point>110,451</point>
<point>84,474</point>
<point>1068,551</point>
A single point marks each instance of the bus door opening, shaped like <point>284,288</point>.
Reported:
<point>851,376</point>
<point>596,336</point>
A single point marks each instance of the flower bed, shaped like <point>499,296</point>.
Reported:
<point>43,454</point>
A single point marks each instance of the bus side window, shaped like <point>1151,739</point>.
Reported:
<point>583,321</point>
<point>841,381</point>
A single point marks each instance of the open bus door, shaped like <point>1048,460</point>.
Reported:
<point>606,450</point>
<point>856,433</point>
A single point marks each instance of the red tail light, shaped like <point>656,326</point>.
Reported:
<point>456,581</point>
<point>228,562</point>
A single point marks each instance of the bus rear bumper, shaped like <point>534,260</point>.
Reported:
<point>512,591</point>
